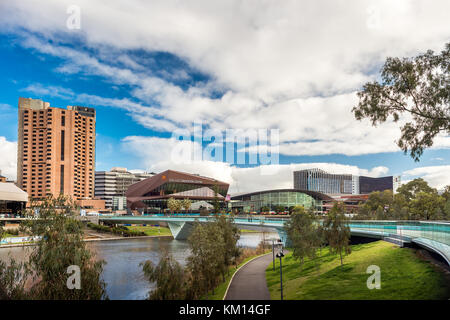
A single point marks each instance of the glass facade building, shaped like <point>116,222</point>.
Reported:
<point>151,194</point>
<point>321,181</point>
<point>333,184</point>
<point>253,202</point>
<point>368,184</point>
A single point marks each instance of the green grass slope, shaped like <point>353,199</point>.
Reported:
<point>403,276</point>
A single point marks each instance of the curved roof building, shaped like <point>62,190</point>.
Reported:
<point>154,192</point>
<point>286,198</point>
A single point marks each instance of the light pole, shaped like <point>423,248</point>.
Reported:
<point>273,253</point>
<point>280,255</point>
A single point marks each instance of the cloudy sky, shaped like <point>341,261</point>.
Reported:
<point>153,67</point>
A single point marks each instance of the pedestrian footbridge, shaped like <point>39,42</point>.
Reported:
<point>433,236</point>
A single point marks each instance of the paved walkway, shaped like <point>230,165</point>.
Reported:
<point>249,282</point>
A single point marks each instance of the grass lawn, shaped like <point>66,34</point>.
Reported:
<point>152,231</point>
<point>403,276</point>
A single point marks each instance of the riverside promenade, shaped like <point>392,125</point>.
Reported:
<point>249,282</point>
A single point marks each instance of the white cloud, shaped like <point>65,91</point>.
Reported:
<point>156,154</point>
<point>437,176</point>
<point>53,91</point>
<point>8,158</point>
<point>293,65</point>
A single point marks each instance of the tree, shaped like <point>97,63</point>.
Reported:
<point>418,87</point>
<point>216,202</point>
<point>61,246</point>
<point>413,187</point>
<point>172,204</point>
<point>206,261</point>
<point>380,214</point>
<point>170,277</point>
<point>12,280</point>
<point>400,207</point>
<point>230,235</point>
<point>427,206</point>
<point>447,209</point>
<point>302,234</point>
<point>446,193</point>
<point>186,204</point>
<point>337,231</point>
<point>383,199</point>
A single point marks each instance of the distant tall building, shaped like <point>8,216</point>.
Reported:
<point>328,183</point>
<point>324,182</point>
<point>396,183</point>
<point>56,150</point>
<point>368,184</point>
<point>112,186</point>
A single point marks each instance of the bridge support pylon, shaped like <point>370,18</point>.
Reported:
<point>180,230</point>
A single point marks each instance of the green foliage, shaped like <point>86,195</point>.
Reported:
<point>12,280</point>
<point>173,204</point>
<point>206,260</point>
<point>410,189</point>
<point>446,193</point>
<point>303,234</point>
<point>213,249</point>
<point>230,235</point>
<point>216,202</point>
<point>413,200</point>
<point>186,204</point>
<point>61,246</point>
<point>419,87</point>
<point>337,231</point>
<point>426,206</point>
<point>170,278</point>
<point>379,199</point>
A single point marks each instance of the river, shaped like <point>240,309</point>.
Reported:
<point>123,275</point>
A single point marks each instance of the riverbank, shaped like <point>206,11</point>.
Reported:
<point>25,244</point>
<point>404,276</point>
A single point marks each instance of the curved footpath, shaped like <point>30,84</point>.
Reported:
<point>249,282</point>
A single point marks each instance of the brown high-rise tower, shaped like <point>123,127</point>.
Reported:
<point>56,150</point>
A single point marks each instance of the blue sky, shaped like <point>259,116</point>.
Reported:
<point>266,72</point>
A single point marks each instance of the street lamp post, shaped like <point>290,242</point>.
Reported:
<point>273,254</point>
<point>280,255</point>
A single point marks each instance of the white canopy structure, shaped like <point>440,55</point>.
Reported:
<point>10,192</point>
<point>197,205</point>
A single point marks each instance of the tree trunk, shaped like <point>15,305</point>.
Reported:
<point>340,253</point>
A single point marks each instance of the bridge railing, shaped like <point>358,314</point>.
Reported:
<point>432,230</point>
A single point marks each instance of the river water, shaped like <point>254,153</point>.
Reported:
<point>122,273</point>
